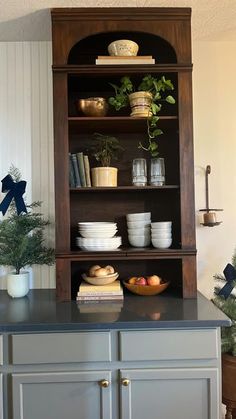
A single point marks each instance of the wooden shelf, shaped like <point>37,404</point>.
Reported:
<point>96,70</point>
<point>131,253</point>
<point>122,188</point>
<point>121,124</point>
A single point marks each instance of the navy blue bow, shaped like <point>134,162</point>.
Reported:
<point>230,276</point>
<point>15,190</point>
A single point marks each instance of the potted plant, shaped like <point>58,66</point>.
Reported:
<point>225,299</point>
<point>22,243</point>
<point>145,101</point>
<point>105,149</point>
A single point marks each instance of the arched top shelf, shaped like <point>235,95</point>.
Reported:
<point>86,50</point>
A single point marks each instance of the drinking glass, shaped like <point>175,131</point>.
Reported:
<point>157,172</point>
<point>139,172</point>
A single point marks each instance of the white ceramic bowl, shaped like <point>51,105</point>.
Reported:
<point>162,224</point>
<point>98,234</point>
<point>139,241</point>
<point>140,216</point>
<point>138,224</point>
<point>161,234</point>
<point>96,225</point>
<point>123,47</point>
<point>99,241</point>
<point>161,243</point>
<point>98,248</point>
<point>139,231</point>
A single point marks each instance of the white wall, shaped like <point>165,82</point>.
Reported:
<point>26,130</point>
<point>26,140</point>
<point>215,144</point>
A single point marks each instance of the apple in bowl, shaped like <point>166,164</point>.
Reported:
<point>153,280</point>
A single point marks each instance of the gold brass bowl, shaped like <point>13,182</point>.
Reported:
<point>93,106</point>
<point>146,289</point>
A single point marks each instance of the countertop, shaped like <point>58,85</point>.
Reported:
<point>39,311</point>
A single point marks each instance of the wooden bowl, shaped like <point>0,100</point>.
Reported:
<point>100,280</point>
<point>146,289</point>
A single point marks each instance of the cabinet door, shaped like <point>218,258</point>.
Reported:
<point>72,395</point>
<point>168,394</point>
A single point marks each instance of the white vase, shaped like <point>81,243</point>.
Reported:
<point>18,284</point>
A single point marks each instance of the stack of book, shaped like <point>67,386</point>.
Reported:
<point>79,170</point>
<point>109,292</point>
<point>124,60</point>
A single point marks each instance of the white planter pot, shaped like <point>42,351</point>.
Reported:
<point>18,284</point>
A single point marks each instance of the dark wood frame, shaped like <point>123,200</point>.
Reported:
<point>71,25</point>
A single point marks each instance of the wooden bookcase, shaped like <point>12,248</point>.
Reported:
<point>79,36</point>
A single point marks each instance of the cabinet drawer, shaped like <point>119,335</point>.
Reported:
<point>61,347</point>
<point>1,350</point>
<point>168,345</point>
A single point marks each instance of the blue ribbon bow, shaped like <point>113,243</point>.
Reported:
<point>230,276</point>
<point>15,190</point>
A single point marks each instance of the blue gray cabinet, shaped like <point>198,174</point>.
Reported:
<point>62,395</point>
<point>169,393</point>
<point>113,374</point>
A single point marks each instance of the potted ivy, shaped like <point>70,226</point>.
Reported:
<point>22,243</point>
<point>225,300</point>
<point>145,100</point>
<point>105,149</point>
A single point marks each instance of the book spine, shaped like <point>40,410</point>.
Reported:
<point>76,171</point>
<point>99,294</point>
<point>80,160</point>
<point>124,62</point>
<point>71,173</point>
<point>101,298</point>
<point>87,171</point>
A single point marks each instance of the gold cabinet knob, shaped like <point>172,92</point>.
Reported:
<point>104,383</point>
<point>125,382</point>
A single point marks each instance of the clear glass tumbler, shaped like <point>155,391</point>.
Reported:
<point>139,172</point>
<point>157,172</point>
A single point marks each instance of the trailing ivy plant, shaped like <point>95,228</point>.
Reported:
<point>148,84</point>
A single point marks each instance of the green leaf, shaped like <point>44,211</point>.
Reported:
<point>170,99</point>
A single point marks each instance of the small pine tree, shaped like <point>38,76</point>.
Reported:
<point>228,306</point>
<point>21,236</point>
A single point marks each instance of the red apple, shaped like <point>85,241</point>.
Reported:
<point>141,281</point>
<point>153,280</point>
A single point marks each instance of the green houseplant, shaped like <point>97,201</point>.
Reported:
<point>105,149</point>
<point>22,243</point>
<point>225,300</point>
<point>146,101</point>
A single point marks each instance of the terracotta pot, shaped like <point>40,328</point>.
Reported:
<point>140,103</point>
<point>229,383</point>
<point>18,284</point>
<point>104,176</point>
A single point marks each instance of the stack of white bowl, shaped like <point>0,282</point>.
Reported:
<point>161,233</point>
<point>139,229</point>
<point>98,236</point>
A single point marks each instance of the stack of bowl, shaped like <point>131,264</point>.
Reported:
<point>139,229</point>
<point>98,236</point>
<point>161,234</point>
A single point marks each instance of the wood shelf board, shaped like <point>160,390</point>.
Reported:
<point>122,188</point>
<point>96,70</point>
<point>130,253</point>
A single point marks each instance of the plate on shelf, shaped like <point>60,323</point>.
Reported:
<point>146,289</point>
<point>100,280</point>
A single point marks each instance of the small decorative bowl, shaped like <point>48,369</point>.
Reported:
<point>146,289</point>
<point>123,47</point>
<point>100,280</point>
<point>93,106</point>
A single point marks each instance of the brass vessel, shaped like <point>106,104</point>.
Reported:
<point>93,106</point>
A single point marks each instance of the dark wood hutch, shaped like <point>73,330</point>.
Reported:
<point>79,36</point>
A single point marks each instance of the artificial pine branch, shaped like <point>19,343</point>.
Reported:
<point>21,236</point>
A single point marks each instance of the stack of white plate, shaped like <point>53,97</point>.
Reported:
<point>161,233</point>
<point>98,236</point>
<point>139,229</point>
